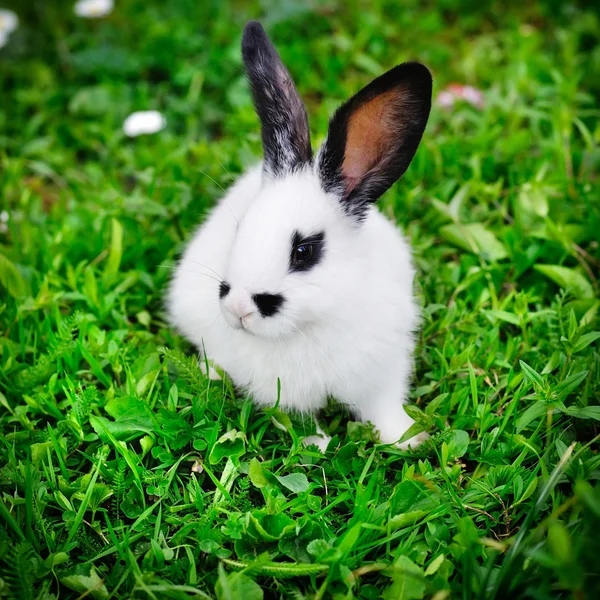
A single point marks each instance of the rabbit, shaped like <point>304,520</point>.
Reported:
<point>295,280</point>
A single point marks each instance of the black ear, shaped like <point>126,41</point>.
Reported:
<point>373,136</point>
<point>285,133</point>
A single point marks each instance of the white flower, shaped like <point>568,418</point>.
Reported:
<point>4,216</point>
<point>143,122</point>
<point>93,9</point>
<point>8,23</point>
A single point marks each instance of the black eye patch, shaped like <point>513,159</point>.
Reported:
<point>307,251</point>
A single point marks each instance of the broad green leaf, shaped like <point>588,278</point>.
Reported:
<point>408,581</point>
<point>570,383</point>
<point>281,420</point>
<point>91,585</point>
<point>532,374</point>
<point>11,279</point>
<point>458,444</point>
<point>295,482</point>
<point>586,412</point>
<point>559,541</point>
<point>434,565</point>
<point>237,586</point>
<point>317,548</point>
<point>124,429</point>
<point>535,411</point>
<point>475,238</point>
<point>585,340</point>
<point>257,474</point>
<point>129,407</point>
<point>529,491</point>
<point>567,278</point>
<point>230,445</point>
<point>92,101</point>
<point>344,458</point>
<point>532,199</point>
<point>131,419</point>
<point>503,315</point>
<point>552,363</point>
<point>404,519</point>
<point>55,559</point>
<point>40,451</point>
<point>270,527</point>
<point>410,495</point>
<point>416,428</point>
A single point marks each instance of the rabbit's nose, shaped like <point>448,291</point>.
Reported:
<point>239,305</point>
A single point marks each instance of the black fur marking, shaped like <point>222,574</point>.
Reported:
<point>284,124</point>
<point>316,245</point>
<point>224,289</point>
<point>268,304</point>
<point>411,110</point>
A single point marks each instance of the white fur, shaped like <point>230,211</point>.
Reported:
<point>346,326</point>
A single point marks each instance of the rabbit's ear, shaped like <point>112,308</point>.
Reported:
<point>373,136</point>
<point>285,133</point>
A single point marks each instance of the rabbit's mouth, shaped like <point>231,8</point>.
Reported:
<point>244,323</point>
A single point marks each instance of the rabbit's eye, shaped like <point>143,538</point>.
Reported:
<point>303,253</point>
<point>306,251</point>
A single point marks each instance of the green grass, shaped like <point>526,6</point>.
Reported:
<point>125,474</point>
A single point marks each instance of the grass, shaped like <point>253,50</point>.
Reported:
<point>124,473</point>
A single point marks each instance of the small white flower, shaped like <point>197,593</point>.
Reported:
<point>8,23</point>
<point>143,122</point>
<point>93,9</point>
<point>4,216</point>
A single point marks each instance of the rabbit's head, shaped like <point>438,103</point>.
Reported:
<point>300,250</point>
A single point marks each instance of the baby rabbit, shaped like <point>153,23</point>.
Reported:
<point>295,275</point>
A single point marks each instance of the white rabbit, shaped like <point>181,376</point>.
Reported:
<point>295,275</point>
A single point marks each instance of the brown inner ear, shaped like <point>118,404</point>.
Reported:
<point>371,131</point>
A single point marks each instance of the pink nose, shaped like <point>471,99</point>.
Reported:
<point>239,305</point>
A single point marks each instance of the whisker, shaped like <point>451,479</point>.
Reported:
<point>280,291</point>
<point>205,266</point>
<point>188,271</point>
<point>213,322</point>
<point>229,209</point>
<point>226,171</point>
<point>213,180</point>
<point>224,191</point>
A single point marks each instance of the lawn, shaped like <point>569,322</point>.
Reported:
<point>125,473</point>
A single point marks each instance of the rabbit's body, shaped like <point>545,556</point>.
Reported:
<point>365,365</point>
<point>295,276</point>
